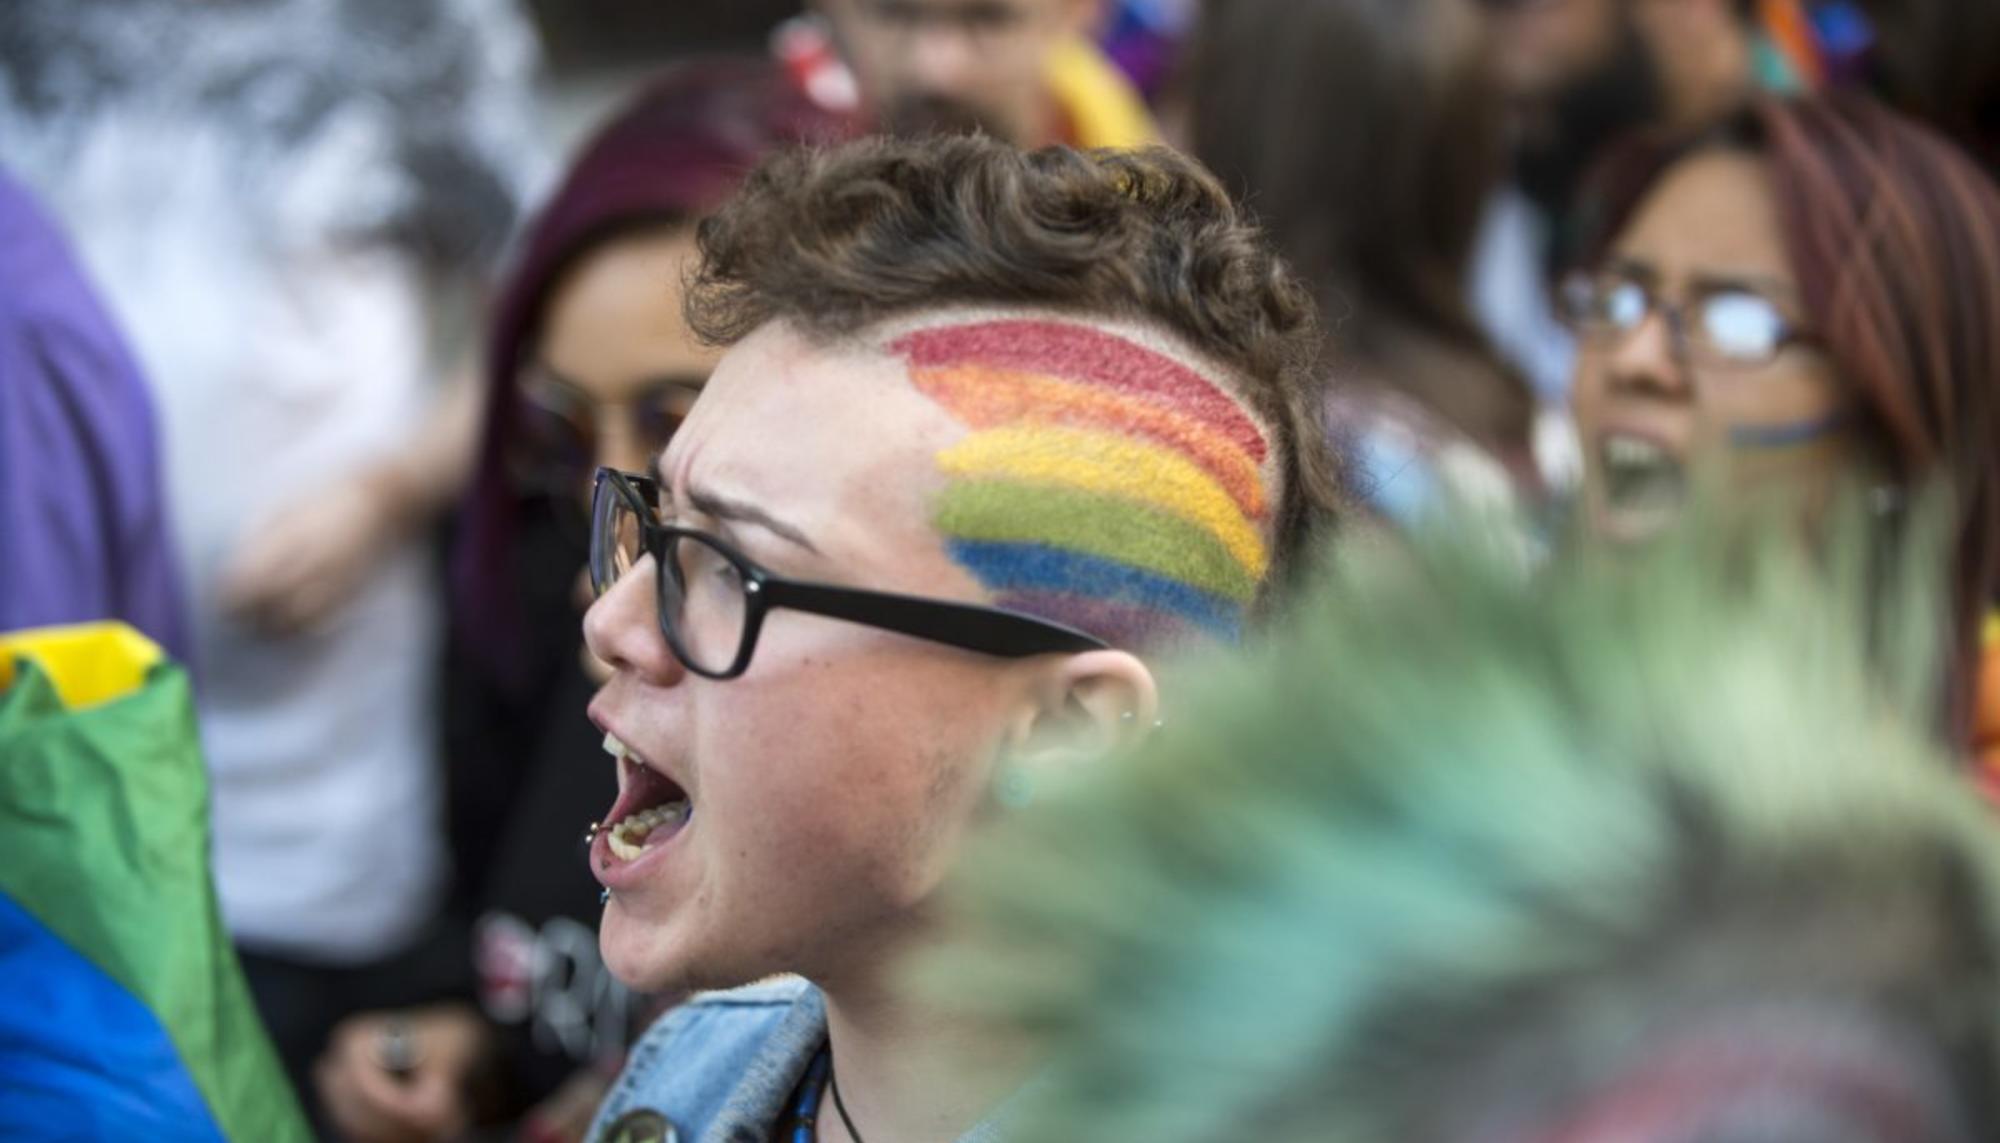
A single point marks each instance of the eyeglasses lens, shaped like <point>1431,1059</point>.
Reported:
<point>1739,327</point>
<point>704,601</point>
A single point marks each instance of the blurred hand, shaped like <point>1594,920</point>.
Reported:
<point>565,1116</point>
<point>295,569</point>
<point>369,1104</point>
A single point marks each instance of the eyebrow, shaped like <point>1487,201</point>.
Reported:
<point>1749,283</point>
<point>719,507</point>
<point>1709,283</point>
<point>649,386</point>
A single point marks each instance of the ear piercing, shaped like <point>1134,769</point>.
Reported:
<point>604,898</point>
<point>1013,787</point>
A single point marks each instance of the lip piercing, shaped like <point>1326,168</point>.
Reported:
<point>590,835</point>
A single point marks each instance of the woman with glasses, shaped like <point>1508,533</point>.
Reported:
<point>1806,298</point>
<point>590,364</point>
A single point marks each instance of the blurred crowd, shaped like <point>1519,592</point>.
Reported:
<point>315,338</point>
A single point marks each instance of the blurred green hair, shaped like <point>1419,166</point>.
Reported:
<point>1461,846</point>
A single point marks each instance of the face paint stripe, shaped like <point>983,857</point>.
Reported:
<point>984,397</point>
<point>1111,527</point>
<point>1787,436</point>
<point>1012,568</point>
<point>1119,624</point>
<point>1087,355</point>
<point>1109,465</point>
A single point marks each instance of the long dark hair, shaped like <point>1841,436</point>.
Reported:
<point>1894,236</point>
<point>675,153</point>
<point>1366,136</point>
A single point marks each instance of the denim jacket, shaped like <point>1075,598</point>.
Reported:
<point>722,1067</point>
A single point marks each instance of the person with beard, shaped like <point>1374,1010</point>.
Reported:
<point>1022,70</point>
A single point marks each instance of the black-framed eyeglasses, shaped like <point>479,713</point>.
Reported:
<point>712,599</point>
<point>1725,326</point>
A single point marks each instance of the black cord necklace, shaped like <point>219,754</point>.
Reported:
<point>833,1085</point>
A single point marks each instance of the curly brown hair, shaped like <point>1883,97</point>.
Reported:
<point>836,240</point>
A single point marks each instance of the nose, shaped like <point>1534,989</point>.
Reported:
<point>1648,360</point>
<point>619,444</point>
<point>622,629</point>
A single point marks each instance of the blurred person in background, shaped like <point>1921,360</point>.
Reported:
<point>589,364</point>
<point>1366,138</point>
<point>1939,60</point>
<point>1576,76</point>
<point>85,521</point>
<point>1632,853</point>
<point>1023,70</point>
<point>1047,420</point>
<point>1804,297</point>
<point>291,206</point>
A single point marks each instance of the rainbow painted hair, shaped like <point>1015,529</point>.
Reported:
<point>1105,483</point>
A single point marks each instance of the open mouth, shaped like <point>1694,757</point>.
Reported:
<point>1643,479</point>
<point>651,808</point>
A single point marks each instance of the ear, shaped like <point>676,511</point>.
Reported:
<point>1086,706</point>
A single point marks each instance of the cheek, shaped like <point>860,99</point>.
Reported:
<point>857,766</point>
<point>1784,394</point>
<point>1586,392</point>
<point>1783,425</point>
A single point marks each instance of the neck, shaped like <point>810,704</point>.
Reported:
<point>909,1072</point>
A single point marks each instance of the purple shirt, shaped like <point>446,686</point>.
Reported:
<point>83,520</point>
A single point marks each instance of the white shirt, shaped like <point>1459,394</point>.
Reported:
<point>241,240</point>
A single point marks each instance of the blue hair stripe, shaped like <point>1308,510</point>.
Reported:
<point>1012,566</point>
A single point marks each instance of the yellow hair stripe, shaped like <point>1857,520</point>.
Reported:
<point>985,396</point>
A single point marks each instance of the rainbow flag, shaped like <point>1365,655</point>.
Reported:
<point>123,1013</point>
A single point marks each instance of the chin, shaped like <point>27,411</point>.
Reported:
<point>643,955</point>
<point>661,959</point>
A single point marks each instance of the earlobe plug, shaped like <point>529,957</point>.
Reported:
<point>1013,787</point>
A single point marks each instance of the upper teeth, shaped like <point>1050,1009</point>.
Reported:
<point>615,748</point>
<point>1623,450</point>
